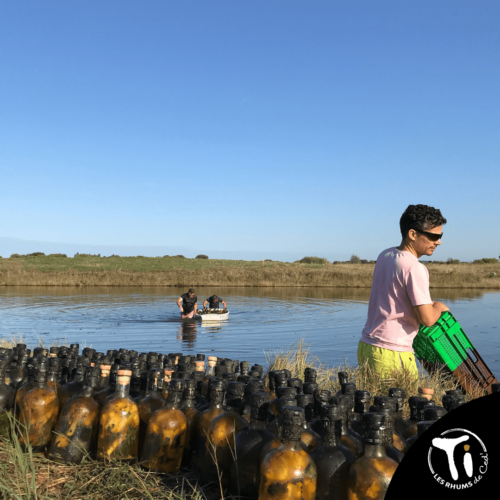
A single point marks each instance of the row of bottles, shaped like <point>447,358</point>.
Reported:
<point>285,439</point>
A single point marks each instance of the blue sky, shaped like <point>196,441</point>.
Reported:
<point>247,129</point>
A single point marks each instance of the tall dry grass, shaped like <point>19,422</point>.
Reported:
<point>142,271</point>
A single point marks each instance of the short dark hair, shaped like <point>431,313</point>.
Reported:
<point>191,290</point>
<point>420,217</point>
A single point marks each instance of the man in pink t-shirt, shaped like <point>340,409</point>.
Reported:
<point>400,299</point>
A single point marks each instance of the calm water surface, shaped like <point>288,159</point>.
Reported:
<point>261,320</point>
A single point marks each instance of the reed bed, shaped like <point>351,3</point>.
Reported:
<point>176,271</point>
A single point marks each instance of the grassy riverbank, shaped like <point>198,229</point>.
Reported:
<point>26,476</point>
<point>179,271</point>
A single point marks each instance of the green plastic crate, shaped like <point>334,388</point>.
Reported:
<point>444,342</point>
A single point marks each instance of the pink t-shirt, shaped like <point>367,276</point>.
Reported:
<point>400,282</point>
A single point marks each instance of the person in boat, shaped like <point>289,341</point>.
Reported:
<point>400,298</point>
<point>213,302</point>
<point>188,303</point>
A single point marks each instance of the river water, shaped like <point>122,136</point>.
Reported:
<point>261,320</point>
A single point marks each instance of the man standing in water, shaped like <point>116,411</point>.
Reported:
<point>187,303</point>
<point>400,299</point>
<point>213,302</point>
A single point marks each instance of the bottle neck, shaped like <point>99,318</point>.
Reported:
<point>122,389</point>
<point>188,402</point>
<point>375,451</point>
<point>329,437</point>
<point>87,391</point>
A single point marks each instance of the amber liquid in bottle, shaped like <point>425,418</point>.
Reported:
<point>76,431</point>
<point>288,472</point>
<point>309,437</point>
<point>119,423</point>
<point>391,404</point>
<point>166,434</point>
<point>39,413</point>
<point>219,446</point>
<point>27,386</point>
<point>72,388</point>
<point>188,407</point>
<point>245,472</point>
<point>370,475</point>
<point>332,461</point>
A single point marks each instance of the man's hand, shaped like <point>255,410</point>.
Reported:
<point>428,314</point>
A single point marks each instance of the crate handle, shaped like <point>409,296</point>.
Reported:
<point>471,354</point>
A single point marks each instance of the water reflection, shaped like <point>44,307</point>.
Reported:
<point>187,333</point>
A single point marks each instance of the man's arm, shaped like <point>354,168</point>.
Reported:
<point>205,304</point>
<point>428,314</point>
<point>195,307</point>
<point>179,301</point>
<point>224,304</point>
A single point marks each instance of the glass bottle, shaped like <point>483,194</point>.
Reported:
<point>400,424</point>
<point>119,423</point>
<point>281,392</point>
<point>421,405</point>
<point>150,404</point>
<point>310,438</point>
<point>109,391</point>
<point>451,402</point>
<point>166,434</point>
<point>280,378</point>
<point>310,388</point>
<point>53,377</point>
<point>7,392</point>
<point>210,372</point>
<point>288,472</point>
<point>348,437</point>
<point>252,385</point>
<point>343,379</point>
<point>167,378</point>
<point>332,460</point>
<point>103,382</point>
<point>75,433</point>
<point>430,414</point>
<point>245,471</point>
<point>288,399</point>
<point>219,447</point>
<point>388,432</point>
<point>310,376</point>
<point>362,401</point>
<point>411,421</point>
<point>19,375</point>
<point>72,388</point>
<point>370,475</point>
<point>295,383</point>
<point>39,413</point>
<point>391,404</point>
<point>244,368</point>
<point>188,407</point>
<point>28,384</point>
<point>202,424</point>
<point>321,398</point>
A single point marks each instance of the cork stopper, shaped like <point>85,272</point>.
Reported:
<point>105,370</point>
<point>123,377</point>
<point>426,392</point>
<point>212,360</point>
<point>199,366</point>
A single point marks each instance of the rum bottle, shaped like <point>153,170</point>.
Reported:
<point>109,391</point>
<point>150,404</point>
<point>7,392</point>
<point>411,421</point>
<point>362,401</point>
<point>119,423</point>
<point>288,472</point>
<point>310,438</point>
<point>188,407</point>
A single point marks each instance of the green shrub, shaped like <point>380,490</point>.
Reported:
<point>354,259</point>
<point>34,254</point>
<point>486,261</point>
<point>452,261</point>
<point>201,256</point>
<point>57,255</point>
<point>179,257</point>
<point>312,260</point>
<point>86,255</point>
<point>16,256</point>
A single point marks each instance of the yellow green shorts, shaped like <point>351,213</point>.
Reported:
<point>385,361</point>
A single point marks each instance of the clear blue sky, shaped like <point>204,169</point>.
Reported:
<point>246,129</point>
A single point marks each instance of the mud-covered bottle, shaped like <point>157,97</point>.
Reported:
<point>39,413</point>
<point>286,397</point>
<point>296,383</point>
<point>188,407</point>
<point>430,413</point>
<point>108,391</point>
<point>388,433</point>
<point>103,382</point>
<point>343,379</point>
<point>400,425</point>
<point>209,372</point>
<point>362,401</point>
<point>74,387</point>
<point>76,431</point>
<point>7,392</point>
<point>118,437</point>
<point>19,375</point>
<point>321,398</point>
<point>453,399</point>
<point>389,403</point>
<point>150,404</point>
<point>280,378</point>
<point>245,471</point>
<point>168,374</point>
<point>202,424</point>
<point>309,437</point>
<point>31,365</point>
<point>411,421</point>
<point>219,446</point>
<point>53,375</point>
<point>370,475</point>
<point>348,438</point>
<point>310,376</point>
<point>252,385</point>
<point>166,434</point>
<point>288,472</point>
<point>332,460</point>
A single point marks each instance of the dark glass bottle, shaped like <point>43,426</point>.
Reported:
<point>53,378</point>
<point>411,421</point>
<point>103,382</point>
<point>150,404</point>
<point>310,376</point>
<point>451,402</point>
<point>166,434</point>
<point>274,426</point>
<point>400,425</point>
<point>219,447</point>
<point>19,375</point>
<point>202,424</point>
<point>109,391</point>
<point>310,388</point>
<point>188,407</point>
<point>310,438</point>
<point>76,431</point>
<point>421,405</point>
<point>244,368</point>
<point>245,471</point>
<point>119,423</point>
<point>321,398</point>
<point>362,401</point>
<point>27,385</point>
<point>7,392</point>
<point>288,472</point>
<point>39,413</point>
<point>370,475</point>
<point>296,383</point>
<point>332,460</point>
<point>388,433</point>
<point>348,437</point>
<point>168,374</point>
<point>429,414</point>
<point>252,385</point>
<point>386,402</point>
<point>343,379</point>
<point>280,378</point>
<point>72,388</point>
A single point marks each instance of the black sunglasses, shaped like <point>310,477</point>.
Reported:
<point>430,236</point>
